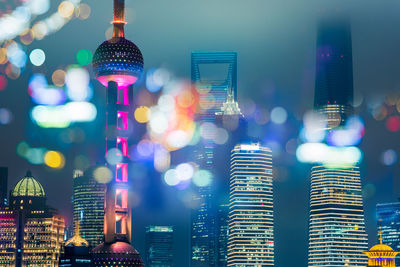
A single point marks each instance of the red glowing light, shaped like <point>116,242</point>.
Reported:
<point>123,93</point>
<point>3,82</point>
<point>124,146</point>
<point>122,118</point>
<point>121,174</point>
<point>120,79</point>
<point>393,123</point>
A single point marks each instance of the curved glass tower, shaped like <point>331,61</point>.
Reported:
<point>337,235</point>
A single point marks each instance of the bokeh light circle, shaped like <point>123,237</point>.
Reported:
<point>278,115</point>
<point>102,175</point>
<point>54,159</point>
<point>37,57</point>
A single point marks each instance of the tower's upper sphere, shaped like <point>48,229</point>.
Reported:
<point>118,60</point>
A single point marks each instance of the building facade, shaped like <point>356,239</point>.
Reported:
<point>251,220</point>
<point>337,235</point>
<point>88,206</point>
<point>31,233</point>
<point>388,223</point>
<point>215,75</point>
<point>159,246</point>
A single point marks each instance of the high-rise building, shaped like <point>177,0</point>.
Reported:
<point>3,186</point>
<point>88,206</point>
<point>381,255</point>
<point>31,233</point>
<point>118,64</point>
<point>337,235</point>
<point>334,70</point>
<point>388,222</point>
<point>159,240</point>
<point>215,76</point>
<point>251,220</point>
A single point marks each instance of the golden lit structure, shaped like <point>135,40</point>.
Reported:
<point>381,255</point>
<point>77,240</point>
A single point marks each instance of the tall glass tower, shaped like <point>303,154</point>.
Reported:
<point>215,76</point>
<point>337,235</point>
<point>251,220</point>
<point>88,206</point>
<point>388,218</point>
<point>159,241</point>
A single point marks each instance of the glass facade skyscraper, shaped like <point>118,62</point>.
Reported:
<point>388,222</point>
<point>337,235</point>
<point>159,241</point>
<point>251,220</point>
<point>215,76</point>
<point>88,206</point>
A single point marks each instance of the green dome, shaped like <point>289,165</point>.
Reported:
<point>28,187</point>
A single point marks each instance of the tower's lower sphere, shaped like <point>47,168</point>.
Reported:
<point>118,253</point>
<point>118,60</point>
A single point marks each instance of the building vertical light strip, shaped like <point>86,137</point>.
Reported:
<point>251,221</point>
<point>88,206</point>
<point>213,93</point>
<point>337,235</point>
<point>388,223</point>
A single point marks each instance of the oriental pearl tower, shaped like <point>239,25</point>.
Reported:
<point>117,64</point>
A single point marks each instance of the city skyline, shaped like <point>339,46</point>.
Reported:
<point>379,183</point>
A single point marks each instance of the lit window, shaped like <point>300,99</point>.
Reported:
<point>122,120</point>
<point>121,172</point>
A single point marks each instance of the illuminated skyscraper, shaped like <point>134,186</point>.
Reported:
<point>215,75</point>
<point>159,246</point>
<point>88,206</point>
<point>118,64</point>
<point>337,235</point>
<point>31,233</point>
<point>251,221</point>
<point>3,186</point>
<point>388,222</point>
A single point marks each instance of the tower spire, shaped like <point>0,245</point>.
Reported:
<point>119,19</point>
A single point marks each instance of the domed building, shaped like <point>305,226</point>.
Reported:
<point>28,193</point>
<point>31,233</point>
<point>381,255</point>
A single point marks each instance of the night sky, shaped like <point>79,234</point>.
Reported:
<point>275,41</point>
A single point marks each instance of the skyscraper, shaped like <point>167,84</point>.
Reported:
<point>215,75</point>
<point>118,64</point>
<point>159,246</point>
<point>337,235</point>
<point>88,206</point>
<point>388,222</point>
<point>251,221</point>
<point>3,186</point>
<point>334,70</point>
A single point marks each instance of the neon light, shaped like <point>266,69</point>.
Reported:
<point>123,117</point>
<point>123,93</point>
<point>121,174</point>
<point>124,146</point>
<point>120,79</point>
<point>121,198</point>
